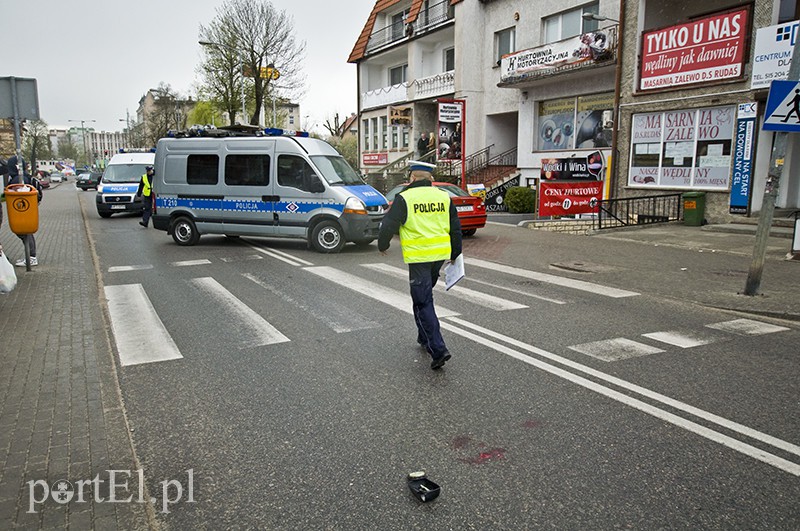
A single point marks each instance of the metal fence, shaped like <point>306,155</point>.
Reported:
<point>642,210</point>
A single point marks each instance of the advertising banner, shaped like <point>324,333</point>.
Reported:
<point>772,54</point>
<point>707,49</point>
<point>743,155</point>
<point>495,198</point>
<point>451,125</point>
<point>372,159</point>
<point>568,199</point>
<point>588,49</point>
<point>589,168</point>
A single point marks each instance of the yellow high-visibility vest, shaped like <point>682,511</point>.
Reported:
<point>146,187</point>
<point>425,236</point>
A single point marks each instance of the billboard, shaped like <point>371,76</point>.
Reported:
<point>704,50</point>
<point>450,130</point>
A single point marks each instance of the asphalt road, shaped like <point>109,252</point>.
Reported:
<point>293,390</point>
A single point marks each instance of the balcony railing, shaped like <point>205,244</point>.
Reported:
<point>426,20</point>
<point>384,96</point>
<point>432,86</point>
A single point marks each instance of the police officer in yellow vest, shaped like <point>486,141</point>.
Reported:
<point>430,233</point>
<point>146,191</point>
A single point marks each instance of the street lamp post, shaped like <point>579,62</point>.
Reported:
<point>127,121</point>
<point>83,135</point>
<point>241,61</point>
<point>594,16</point>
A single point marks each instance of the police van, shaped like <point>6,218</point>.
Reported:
<point>116,192</point>
<point>264,183</point>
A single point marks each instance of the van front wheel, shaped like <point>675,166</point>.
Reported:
<point>184,231</point>
<point>327,237</point>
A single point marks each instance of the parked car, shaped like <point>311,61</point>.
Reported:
<point>56,177</point>
<point>87,181</point>
<point>44,181</point>
<point>471,210</point>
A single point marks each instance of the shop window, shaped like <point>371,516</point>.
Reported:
<point>682,149</point>
<point>575,123</point>
<point>570,23</point>
<point>788,11</point>
<point>504,43</point>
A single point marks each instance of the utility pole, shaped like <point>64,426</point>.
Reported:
<point>770,193</point>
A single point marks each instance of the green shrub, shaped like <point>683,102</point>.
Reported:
<point>520,200</point>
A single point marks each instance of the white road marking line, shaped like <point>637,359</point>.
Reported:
<point>186,263</point>
<point>233,259</point>
<point>679,339</point>
<point>280,255</point>
<point>615,349</point>
<point>117,269</point>
<point>484,299</point>
<point>340,322</point>
<point>715,436</point>
<point>515,290</point>
<point>747,327</point>
<point>256,330</point>
<point>396,299</point>
<point>139,334</point>
<point>553,279</point>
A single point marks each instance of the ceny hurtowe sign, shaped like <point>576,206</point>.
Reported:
<point>704,50</point>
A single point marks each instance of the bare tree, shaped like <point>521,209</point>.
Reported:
<point>165,115</point>
<point>262,39</point>
<point>36,144</point>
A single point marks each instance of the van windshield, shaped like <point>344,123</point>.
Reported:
<point>336,170</point>
<point>124,173</point>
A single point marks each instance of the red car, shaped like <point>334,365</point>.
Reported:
<point>471,210</point>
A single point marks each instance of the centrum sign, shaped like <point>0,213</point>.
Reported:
<point>566,199</point>
<point>704,50</point>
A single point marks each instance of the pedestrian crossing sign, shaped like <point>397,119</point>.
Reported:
<point>783,107</point>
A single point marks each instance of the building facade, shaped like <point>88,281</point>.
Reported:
<point>693,86</point>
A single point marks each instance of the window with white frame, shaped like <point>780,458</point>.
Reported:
<point>397,74</point>
<point>384,132</point>
<point>570,23</point>
<point>365,129</point>
<point>399,24</point>
<point>449,60</point>
<point>504,42</point>
<point>374,124</point>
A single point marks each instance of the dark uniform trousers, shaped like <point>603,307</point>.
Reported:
<point>422,277</point>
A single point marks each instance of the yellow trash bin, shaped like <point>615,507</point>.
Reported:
<point>22,201</point>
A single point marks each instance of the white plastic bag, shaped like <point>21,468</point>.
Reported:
<point>8,278</point>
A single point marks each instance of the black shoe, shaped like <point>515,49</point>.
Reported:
<point>143,224</point>
<point>438,363</point>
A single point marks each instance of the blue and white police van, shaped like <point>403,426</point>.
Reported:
<point>265,183</point>
<point>116,192</point>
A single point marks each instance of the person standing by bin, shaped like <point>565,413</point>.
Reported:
<point>146,192</point>
<point>15,177</point>
<point>430,233</point>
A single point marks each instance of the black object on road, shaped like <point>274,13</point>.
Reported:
<point>423,488</point>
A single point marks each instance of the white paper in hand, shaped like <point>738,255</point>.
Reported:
<point>453,272</point>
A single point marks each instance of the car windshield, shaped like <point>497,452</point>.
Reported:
<point>336,170</point>
<point>124,173</point>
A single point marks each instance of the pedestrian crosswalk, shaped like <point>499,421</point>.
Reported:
<point>141,337</point>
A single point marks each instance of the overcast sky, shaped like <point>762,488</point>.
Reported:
<point>94,59</point>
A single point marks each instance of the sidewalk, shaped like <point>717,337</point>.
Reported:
<point>61,415</point>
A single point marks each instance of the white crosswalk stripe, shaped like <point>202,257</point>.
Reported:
<point>256,331</point>
<point>476,297</point>
<point>394,298</point>
<point>680,339</point>
<point>139,334</point>
<point>747,327</point>
<point>582,285</point>
<point>615,349</point>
